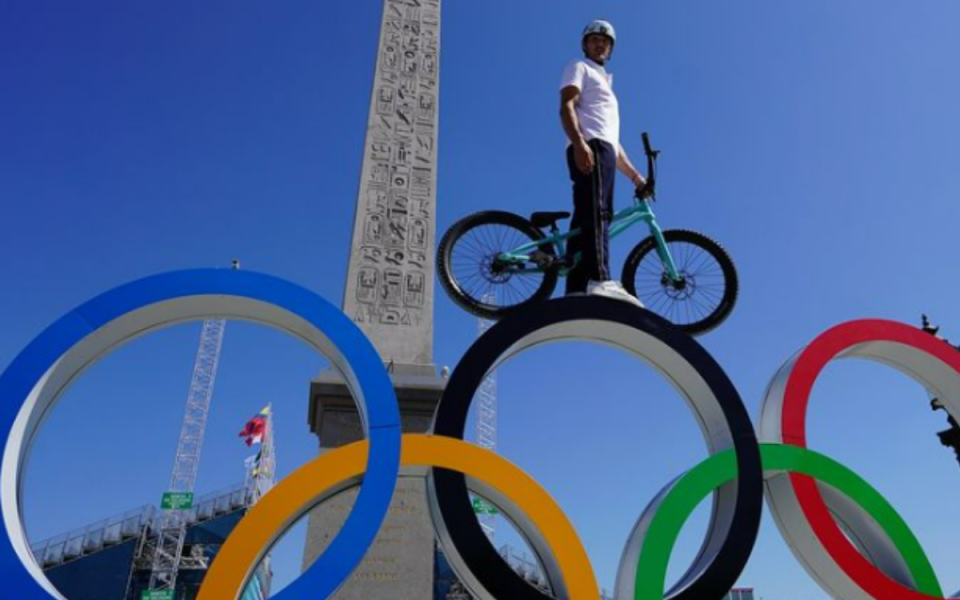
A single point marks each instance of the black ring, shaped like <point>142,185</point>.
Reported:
<point>449,489</point>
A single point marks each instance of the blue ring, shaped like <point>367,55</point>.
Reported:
<point>376,398</point>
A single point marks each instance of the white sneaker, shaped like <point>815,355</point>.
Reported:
<point>612,289</point>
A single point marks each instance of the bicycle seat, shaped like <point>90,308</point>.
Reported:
<point>547,219</point>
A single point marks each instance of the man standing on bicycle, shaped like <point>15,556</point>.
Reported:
<point>591,119</point>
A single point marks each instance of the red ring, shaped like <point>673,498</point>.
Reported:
<point>796,397</point>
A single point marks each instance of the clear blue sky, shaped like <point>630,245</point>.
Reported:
<point>817,140</point>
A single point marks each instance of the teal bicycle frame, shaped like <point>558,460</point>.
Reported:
<point>518,259</point>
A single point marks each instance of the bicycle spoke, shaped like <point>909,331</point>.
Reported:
<point>473,264</point>
<point>700,291</point>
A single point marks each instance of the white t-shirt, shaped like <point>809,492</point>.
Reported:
<point>597,109</point>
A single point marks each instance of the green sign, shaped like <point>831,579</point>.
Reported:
<point>157,594</point>
<point>175,501</point>
<point>484,508</point>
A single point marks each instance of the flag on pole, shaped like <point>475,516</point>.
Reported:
<point>252,463</point>
<point>256,427</point>
<point>258,466</point>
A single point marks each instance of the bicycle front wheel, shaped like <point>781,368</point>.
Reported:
<point>472,273</point>
<point>706,292</point>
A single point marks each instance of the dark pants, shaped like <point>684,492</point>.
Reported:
<point>592,212</point>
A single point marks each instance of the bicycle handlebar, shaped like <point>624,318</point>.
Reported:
<point>649,189</point>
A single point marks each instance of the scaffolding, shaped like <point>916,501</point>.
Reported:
<point>486,422</point>
<point>526,567</point>
<point>532,572</point>
<point>144,526</point>
<point>63,548</point>
<point>141,523</point>
<point>168,550</point>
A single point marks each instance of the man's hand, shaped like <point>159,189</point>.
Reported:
<point>643,191</point>
<point>583,155</point>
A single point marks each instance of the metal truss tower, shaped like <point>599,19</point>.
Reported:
<point>167,558</point>
<point>487,418</point>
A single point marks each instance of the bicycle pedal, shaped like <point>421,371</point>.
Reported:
<point>547,261</point>
<point>541,259</point>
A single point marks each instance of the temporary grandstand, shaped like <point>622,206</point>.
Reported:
<point>112,559</point>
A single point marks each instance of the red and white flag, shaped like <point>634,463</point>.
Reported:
<point>256,427</point>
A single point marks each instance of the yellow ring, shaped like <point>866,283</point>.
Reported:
<point>296,494</point>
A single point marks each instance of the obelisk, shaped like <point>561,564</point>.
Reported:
<point>389,295</point>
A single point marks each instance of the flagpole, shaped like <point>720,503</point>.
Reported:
<point>265,470</point>
<point>259,469</point>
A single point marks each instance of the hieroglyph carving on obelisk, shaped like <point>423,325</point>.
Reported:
<point>389,291</point>
<point>389,294</point>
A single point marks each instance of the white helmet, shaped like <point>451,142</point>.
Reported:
<point>600,27</point>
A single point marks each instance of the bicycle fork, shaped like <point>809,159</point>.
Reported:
<point>665,257</point>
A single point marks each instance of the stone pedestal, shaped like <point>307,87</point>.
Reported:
<point>400,564</point>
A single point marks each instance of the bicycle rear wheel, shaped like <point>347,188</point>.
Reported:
<point>476,279</point>
<point>705,296</point>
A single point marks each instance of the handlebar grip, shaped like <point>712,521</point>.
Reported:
<point>646,143</point>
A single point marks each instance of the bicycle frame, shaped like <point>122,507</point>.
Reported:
<point>518,259</point>
<point>496,263</point>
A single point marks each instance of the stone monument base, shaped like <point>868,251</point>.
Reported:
<point>401,563</point>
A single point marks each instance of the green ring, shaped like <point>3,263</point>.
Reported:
<point>721,468</point>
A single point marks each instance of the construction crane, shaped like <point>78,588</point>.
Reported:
<point>486,423</point>
<point>168,554</point>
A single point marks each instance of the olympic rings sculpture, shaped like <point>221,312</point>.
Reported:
<point>739,471</point>
<point>40,373</point>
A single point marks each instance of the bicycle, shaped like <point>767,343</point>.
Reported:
<point>495,262</point>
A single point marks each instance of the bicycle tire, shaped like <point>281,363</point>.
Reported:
<point>468,273</point>
<point>710,285</point>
